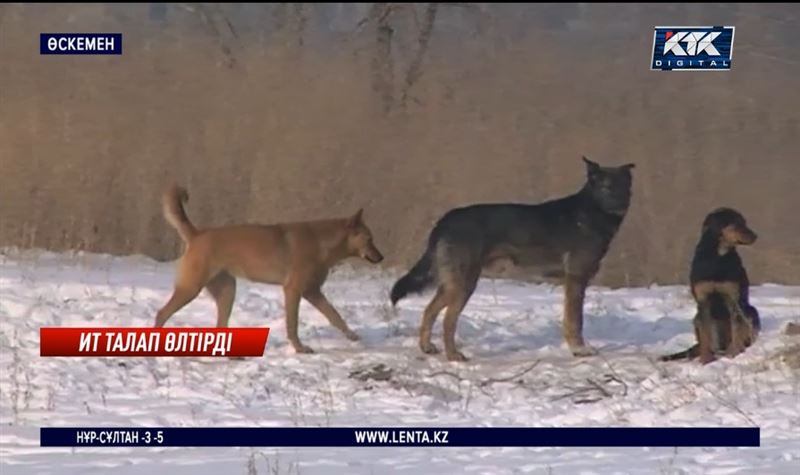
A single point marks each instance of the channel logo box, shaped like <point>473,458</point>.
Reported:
<point>692,48</point>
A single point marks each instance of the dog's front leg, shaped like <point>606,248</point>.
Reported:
<point>292,305</point>
<point>316,298</point>
<point>572,324</point>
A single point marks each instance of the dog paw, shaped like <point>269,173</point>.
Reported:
<point>303,350</point>
<point>351,335</point>
<point>457,357</point>
<point>428,348</point>
<point>706,359</point>
<point>583,351</point>
<point>733,352</point>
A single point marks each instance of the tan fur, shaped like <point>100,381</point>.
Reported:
<point>572,323</point>
<point>732,236</point>
<point>172,205</point>
<point>297,256</point>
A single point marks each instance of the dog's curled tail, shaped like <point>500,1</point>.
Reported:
<point>172,205</point>
<point>420,277</point>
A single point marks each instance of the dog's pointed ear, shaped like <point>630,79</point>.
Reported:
<point>628,166</point>
<point>591,167</point>
<point>355,220</point>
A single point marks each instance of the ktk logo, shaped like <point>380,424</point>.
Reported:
<point>696,42</point>
<point>692,48</point>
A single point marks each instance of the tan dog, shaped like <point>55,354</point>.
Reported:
<point>297,256</point>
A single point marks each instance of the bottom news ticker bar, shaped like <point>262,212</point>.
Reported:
<point>399,437</point>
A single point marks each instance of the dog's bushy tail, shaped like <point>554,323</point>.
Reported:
<point>420,277</point>
<point>687,354</point>
<point>172,205</point>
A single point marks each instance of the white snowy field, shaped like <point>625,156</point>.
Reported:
<point>520,374</point>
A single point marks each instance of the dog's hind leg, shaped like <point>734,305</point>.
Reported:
<point>741,327</point>
<point>457,296</point>
<point>738,322</point>
<point>572,325</point>
<point>316,298</point>
<point>180,297</point>
<point>752,323</point>
<point>192,275</point>
<point>704,333</point>
<point>428,319</point>
<point>223,289</point>
<point>292,308</point>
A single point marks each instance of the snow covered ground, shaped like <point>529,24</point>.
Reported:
<point>507,327</point>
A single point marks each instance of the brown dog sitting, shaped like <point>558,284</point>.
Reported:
<point>725,321</point>
<point>297,256</point>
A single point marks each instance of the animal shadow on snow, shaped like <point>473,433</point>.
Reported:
<point>486,333</point>
<point>607,332</point>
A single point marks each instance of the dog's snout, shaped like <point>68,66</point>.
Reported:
<point>746,235</point>
<point>371,254</point>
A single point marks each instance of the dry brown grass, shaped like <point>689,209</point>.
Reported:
<point>289,132</point>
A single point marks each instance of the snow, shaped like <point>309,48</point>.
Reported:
<point>520,374</point>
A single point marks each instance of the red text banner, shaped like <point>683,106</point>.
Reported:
<point>152,341</point>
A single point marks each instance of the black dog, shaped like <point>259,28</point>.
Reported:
<point>564,238</point>
<point>725,321</point>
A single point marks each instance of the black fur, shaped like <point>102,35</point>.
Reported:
<point>418,278</point>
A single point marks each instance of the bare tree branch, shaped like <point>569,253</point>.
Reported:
<point>382,60</point>
<point>209,16</point>
<point>415,68</point>
<point>300,22</point>
<point>510,378</point>
<point>486,382</point>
